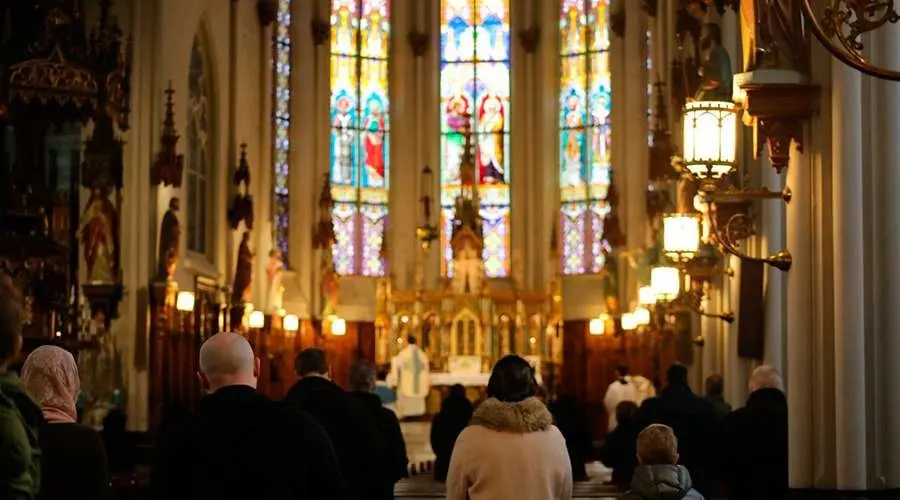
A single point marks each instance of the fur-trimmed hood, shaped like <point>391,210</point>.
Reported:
<point>523,417</point>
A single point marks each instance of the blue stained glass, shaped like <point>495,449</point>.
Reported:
<point>281,62</point>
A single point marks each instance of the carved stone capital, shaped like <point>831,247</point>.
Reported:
<point>529,38</point>
<point>617,22</point>
<point>266,10</point>
<point>321,31</point>
<point>779,112</point>
<point>418,42</point>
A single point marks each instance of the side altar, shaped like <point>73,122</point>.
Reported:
<point>468,322</point>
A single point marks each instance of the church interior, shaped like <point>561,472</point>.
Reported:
<point>584,183</point>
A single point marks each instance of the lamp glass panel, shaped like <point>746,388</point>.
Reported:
<point>641,316</point>
<point>666,282</point>
<point>338,326</point>
<point>629,322</point>
<point>257,319</point>
<point>646,295</point>
<point>710,138</point>
<point>681,235</point>
<point>291,323</point>
<point>597,326</point>
<point>184,301</point>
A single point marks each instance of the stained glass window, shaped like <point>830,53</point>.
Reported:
<point>360,157</point>
<point>475,81</point>
<point>282,118</point>
<point>584,122</point>
<point>199,147</point>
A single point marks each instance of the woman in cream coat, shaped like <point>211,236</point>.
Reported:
<point>511,449</point>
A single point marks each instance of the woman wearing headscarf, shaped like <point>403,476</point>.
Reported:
<point>511,449</point>
<point>74,460</point>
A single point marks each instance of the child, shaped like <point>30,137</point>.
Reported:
<point>658,476</point>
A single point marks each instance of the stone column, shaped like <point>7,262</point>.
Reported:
<point>546,179</point>
<point>886,228</point>
<point>734,368</point>
<point>847,220</point>
<point>773,217</point>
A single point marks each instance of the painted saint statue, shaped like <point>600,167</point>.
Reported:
<point>410,375</point>
<point>97,232</point>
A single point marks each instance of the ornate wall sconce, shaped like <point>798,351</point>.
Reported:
<point>256,320</point>
<point>841,26</point>
<point>666,282</point>
<point>681,236</point>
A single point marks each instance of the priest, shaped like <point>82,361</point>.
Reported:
<point>409,374</point>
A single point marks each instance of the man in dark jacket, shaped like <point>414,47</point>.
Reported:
<point>362,387</point>
<point>754,446</point>
<point>659,477</point>
<point>691,417</point>
<point>20,416</point>
<point>456,411</point>
<point>239,444</point>
<point>360,450</point>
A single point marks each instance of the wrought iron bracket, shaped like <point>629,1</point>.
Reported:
<point>739,226</point>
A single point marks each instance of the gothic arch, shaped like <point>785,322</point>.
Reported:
<point>202,138</point>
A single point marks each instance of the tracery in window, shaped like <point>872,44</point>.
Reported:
<point>281,65</point>
<point>199,161</point>
<point>475,98</point>
<point>585,152</point>
<point>360,41</point>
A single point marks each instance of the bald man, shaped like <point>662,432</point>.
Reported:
<point>754,444</point>
<point>239,444</point>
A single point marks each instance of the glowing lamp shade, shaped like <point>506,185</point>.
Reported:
<point>597,326</point>
<point>629,322</point>
<point>641,316</point>
<point>184,301</point>
<point>666,283</point>
<point>681,236</point>
<point>290,322</point>
<point>710,138</point>
<point>338,326</point>
<point>646,296</point>
<point>257,319</point>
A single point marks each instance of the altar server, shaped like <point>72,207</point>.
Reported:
<point>410,375</point>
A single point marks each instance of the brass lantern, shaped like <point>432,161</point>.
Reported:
<point>710,140</point>
<point>681,236</point>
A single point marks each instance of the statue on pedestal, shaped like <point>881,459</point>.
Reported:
<point>275,272</point>
<point>97,233</point>
<point>773,35</point>
<point>243,273</point>
<point>716,75</point>
<point>169,242</point>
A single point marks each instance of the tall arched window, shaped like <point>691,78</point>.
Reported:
<point>360,41</point>
<point>281,65</point>
<point>585,132</point>
<point>199,137</point>
<point>475,97</point>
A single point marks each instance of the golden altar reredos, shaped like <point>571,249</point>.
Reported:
<point>468,322</point>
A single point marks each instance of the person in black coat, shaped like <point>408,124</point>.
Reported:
<point>619,450</point>
<point>573,423</point>
<point>693,420</point>
<point>715,388</point>
<point>753,457</point>
<point>362,386</point>
<point>239,444</point>
<point>360,449</point>
<point>456,411</point>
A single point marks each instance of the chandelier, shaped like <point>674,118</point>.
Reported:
<point>841,26</point>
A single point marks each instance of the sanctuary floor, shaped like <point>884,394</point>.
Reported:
<point>421,487</point>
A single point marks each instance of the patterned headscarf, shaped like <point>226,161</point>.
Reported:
<point>51,376</point>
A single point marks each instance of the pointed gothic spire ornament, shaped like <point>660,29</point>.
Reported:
<point>242,204</point>
<point>169,165</point>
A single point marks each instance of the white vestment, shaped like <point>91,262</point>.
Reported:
<point>617,393</point>
<point>410,375</point>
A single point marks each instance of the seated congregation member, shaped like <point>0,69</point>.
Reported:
<point>511,449</point>
<point>239,444</point>
<point>121,447</point>
<point>619,451</point>
<point>659,477</point>
<point>362,386</point>
<point>573,422</point>
<point>359,448</point>
<point>454,415</point>
<point>73,461</point>
<point>20,416</point>
<point>691,417</point>
<point>754,444</point>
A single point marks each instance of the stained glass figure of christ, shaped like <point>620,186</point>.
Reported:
<point>282,116</point>
<point>360,40</point>
<point>475,81</point>
<point>585,103</point>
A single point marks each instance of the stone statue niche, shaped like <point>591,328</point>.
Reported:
<point>467,241</point>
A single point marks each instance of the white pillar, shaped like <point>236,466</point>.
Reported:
<point>887,247</point>
<point>734,368</point>
<point>798,373</point>
<point>849,341</point>
<point>634,172</point>
<point>773,215</point>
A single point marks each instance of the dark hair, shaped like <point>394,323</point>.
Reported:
<point>457,390</point>
<point>623,370</point>
<point>10,319</point>
<point>382,373</point>
<point>412,340</point>
<point>625,411</point>
<point>714,31</point>
<point>677,374</point>
<point>362,376</point>
<point>715,386</point>
<point>311,360</point>
<point>512,380</point>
